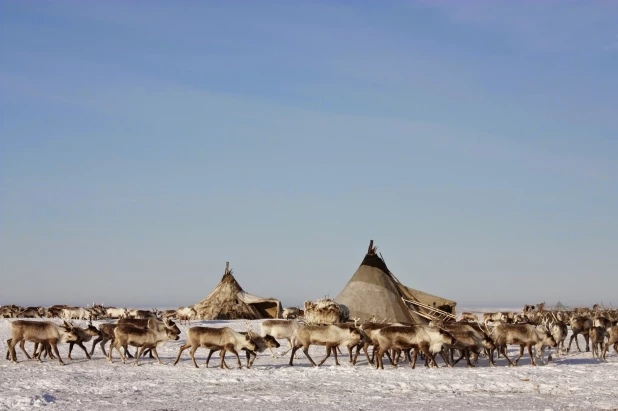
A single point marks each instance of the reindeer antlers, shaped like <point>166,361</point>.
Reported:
<point>248,327</point>
<point>356,320</point>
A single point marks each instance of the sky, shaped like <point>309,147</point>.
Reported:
<point>144,144</point>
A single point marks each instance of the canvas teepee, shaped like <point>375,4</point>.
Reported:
<point>374,292</point>
<point>228,301</point>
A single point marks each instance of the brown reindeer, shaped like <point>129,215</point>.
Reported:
<point>224,339</point>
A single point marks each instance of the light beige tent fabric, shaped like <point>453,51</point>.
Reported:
<point>373,292</point>
<point>228,301</point>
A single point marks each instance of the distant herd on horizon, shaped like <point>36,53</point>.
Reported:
<point>468,338</point>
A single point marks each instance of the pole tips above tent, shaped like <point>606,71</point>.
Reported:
<point>227,269</point>
<point>372,250</point>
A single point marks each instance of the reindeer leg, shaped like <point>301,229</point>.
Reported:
<point>222,354</point>
<point>521,354</point>
<point>389,357</point>
<point>103,347</point>
<point>248,355</point>
<point>356,354</point>
<point>55,347</point>
<point>429,357</point>
<point>126,351</point>
<point>156,354</point>
<point>182,348</point>
<point>531,357</point>
<point>294,349</point>
<point>138,353</point>
<point>336,359</point>
<point>414,357</point>
<point>48,351</point>
<point>22,346</point>
<point>11,345</point>
<point>116,344</point>
<point>306,351</point>
<point>503,349</point>
<point>94,343</point>
<point>84,348</point>
<point>209,355</point>
<point>328,351</point>
<point>233,351</point>
<point>445,358</point>
<point>577,342</point>
<point>467,353</point>
<point>379,361</point>
<point>587,339</point>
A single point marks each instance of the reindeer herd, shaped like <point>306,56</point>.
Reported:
<point>470,338</point>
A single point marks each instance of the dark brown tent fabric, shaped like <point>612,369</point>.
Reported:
<point>373,292</point>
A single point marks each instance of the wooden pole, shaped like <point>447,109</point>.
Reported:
<point>227,267</point>
<point>370,246</point>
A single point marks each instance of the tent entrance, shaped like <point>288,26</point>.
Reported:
<point>267,309</point>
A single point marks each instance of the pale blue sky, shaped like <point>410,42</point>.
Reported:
<point>143,144</point>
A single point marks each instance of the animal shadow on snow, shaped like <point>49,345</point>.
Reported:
<point>576,361</point>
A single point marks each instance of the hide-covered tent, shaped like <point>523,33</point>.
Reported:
<point>228,301</point>
<point>374,292</point>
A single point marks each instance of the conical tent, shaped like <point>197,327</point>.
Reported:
<point>374,292</point>
<point>228,301</point>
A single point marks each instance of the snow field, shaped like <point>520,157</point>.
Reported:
<point>576,381</point>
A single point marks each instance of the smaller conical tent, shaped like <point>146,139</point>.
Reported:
<point>228,301</point>
<point>374,292</point>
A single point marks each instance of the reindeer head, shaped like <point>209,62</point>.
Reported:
<point>270,341</point>
<point>250,343</point>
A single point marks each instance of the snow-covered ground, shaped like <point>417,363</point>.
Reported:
<point>574,382</point>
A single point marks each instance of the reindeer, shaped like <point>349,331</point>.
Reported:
<point>145,314</point>
<point>559,331</point>
<point>487,317</point>
<point>613,340</point>
<point>280,329</point>
<point>364,343</point>
<point>55,311</point>
<point>329,335</point>
<point>597,338</point>
<point>469,317</point>
<point>83,336</point>
<point>169,314</point>
<point>580,325</point>
<point>426,339</point>
<point>31,312</point>
<point>370,329</point>
<point>151,337</point>
<point>186,314</point>
<point>469,339</point>
<point>113,312</point>
<point>106,333</point>
<point>143,323</point>
<point>524,335</point>
<point>600,321</point>
<point>42,332</point>
<point>290,313</point>
<point>224,339</point>
<point>75,313</point>
<point>261,343</point>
